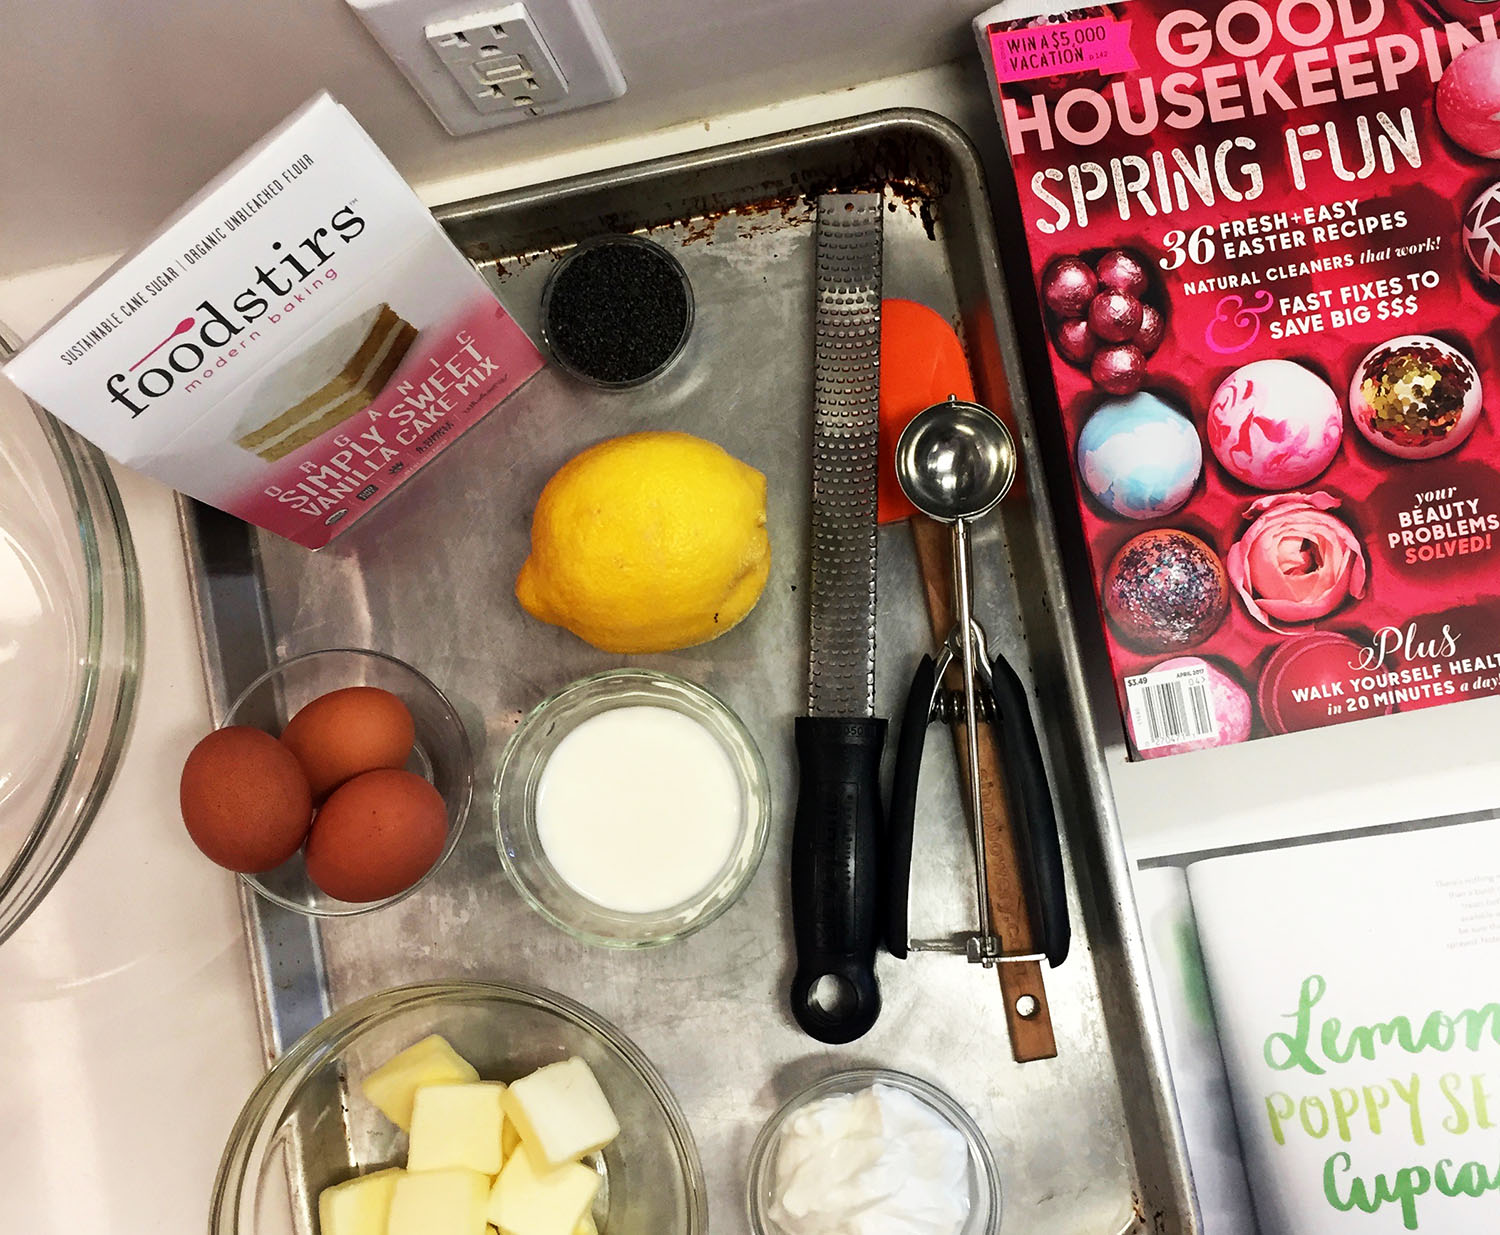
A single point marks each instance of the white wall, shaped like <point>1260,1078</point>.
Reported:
<point>112,112</point>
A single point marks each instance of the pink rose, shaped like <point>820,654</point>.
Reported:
<point>1296,562</point>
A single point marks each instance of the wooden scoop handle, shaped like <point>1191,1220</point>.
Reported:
<point>1031,1035</point>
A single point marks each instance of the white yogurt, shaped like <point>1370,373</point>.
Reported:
<point>639,808</point>
<point>877,1162</point>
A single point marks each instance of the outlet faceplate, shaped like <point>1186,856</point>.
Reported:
<point>499,61</point>
<point>481,68</point>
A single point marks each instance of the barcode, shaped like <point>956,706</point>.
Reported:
<point>1170,707</point>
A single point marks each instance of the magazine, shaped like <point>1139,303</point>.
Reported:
<point>1266,245</point>
<point>1344,994</point>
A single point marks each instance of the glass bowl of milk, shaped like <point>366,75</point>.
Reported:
<point>631,808</point>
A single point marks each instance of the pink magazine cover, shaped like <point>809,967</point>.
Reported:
<point>1266,243</point>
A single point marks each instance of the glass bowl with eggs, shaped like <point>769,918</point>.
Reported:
<point>339,783</point>
<point>443,1106</point>
<point>631,808</point>
<point>889,1147</point>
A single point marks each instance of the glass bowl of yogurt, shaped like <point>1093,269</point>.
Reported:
<point>872,1150</point>
<point>631,808</point>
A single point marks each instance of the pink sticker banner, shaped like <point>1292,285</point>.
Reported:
<point>1095,45</point>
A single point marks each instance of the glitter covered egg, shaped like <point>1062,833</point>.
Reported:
<point>1139,457</point>
<point>1416,397</point>
<point>1165,589</point>
<point>1274,424</point>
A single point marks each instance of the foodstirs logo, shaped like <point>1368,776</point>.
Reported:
<point>197,337</point>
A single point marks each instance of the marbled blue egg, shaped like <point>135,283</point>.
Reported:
<point>1139,456</point>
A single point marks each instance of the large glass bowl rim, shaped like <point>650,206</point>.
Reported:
<point>111,659</point>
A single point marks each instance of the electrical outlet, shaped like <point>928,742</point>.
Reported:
<point>482,68</point>
<point>499,60</point>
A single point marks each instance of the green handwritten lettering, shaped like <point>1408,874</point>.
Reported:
<point>1410,1094</point>
<point>1345,1104</point>
<point>1293,1052</point>
<point>1482,1105</point>
<point>1474,1021</point>
<point>1279,1108</point>
<point>1458,1122</point>
<point>1410,1182</point>
<point>1342,1163</point>
<point>1439,1031</point>
<point>1472,1179</point>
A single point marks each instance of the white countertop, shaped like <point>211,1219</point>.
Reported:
<point>127,1031</point>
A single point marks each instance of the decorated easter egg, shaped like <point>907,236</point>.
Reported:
<point>1228,704</point>
<point>1468,100</point>
<point>1481,234</point>
<point>1305,677</point>
<point>1165,589</point>
<point>1415,397</point>
<point>1139,457</point>
<point>1274,424</point>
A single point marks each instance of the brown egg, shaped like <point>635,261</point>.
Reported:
<point>341,734</point>
<point>245,799</point>
<point>376,835</point>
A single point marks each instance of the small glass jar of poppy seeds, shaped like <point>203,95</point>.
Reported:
<point>617,311</point>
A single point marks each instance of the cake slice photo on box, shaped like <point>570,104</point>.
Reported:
<point>328,382</point>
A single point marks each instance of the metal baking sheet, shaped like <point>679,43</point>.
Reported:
<point>1087,1143</point>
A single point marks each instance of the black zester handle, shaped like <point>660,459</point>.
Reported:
<point>836,876</point>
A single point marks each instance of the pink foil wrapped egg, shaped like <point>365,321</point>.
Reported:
<point>1469,11</point>
<point>1468,100</point>
<point>1416,397</point>
<point>1228,701</point>
<point>1274,424</point>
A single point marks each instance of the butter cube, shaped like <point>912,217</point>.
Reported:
<point>586,1226</point>
<point>531,1199</point>
<point>560,1112</point>
<point>428,1062</point>
<point>450,1202</point>
<point>359,1206</point>
<point>457,1125</point>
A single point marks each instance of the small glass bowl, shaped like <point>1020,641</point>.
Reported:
<point>984,1177</point>
<point>441,754</point>
<point>516,783</point>
<point>308,1125</point>
<point>588,246</point>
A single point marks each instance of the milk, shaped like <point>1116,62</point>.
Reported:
<point>639,809</point>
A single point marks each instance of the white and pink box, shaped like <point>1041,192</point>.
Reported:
<point>292,346</point>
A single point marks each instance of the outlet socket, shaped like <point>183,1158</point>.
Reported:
<point>482,68</point>
<point>499,61</point>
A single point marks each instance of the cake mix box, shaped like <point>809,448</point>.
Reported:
<point>292,346</point>
<point>1266,242</point>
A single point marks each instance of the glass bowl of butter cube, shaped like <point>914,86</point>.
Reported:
<point>461,1108</point>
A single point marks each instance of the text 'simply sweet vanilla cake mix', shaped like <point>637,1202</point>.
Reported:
<point>294,344</point>
<point>1265,236</point>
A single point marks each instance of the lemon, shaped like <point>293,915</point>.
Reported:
<point>648,542</point>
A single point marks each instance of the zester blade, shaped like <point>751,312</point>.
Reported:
<point>846,390</point>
